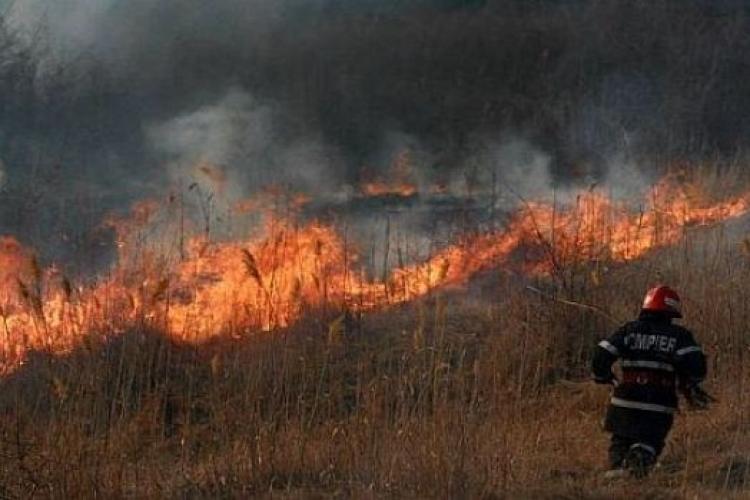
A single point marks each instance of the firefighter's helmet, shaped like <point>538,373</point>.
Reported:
<point>663,299</point>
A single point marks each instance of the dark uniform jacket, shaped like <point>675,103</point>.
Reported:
<point>657,357</point>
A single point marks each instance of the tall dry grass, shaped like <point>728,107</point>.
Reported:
<point>475,393</point>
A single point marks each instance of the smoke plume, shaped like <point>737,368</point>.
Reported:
<point>105,102</point>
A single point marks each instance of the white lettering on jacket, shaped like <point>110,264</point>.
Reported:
<point>650,342</point>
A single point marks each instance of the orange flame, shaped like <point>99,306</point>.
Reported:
<point>399,181</point>
<point>270,281</point>
<point>383,189</point>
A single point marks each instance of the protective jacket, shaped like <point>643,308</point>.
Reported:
<point>657,357</point>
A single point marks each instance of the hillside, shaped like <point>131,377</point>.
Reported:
<point>460,393</point>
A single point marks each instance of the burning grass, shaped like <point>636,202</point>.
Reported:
<point>416,389</point>
<point>270,281</point>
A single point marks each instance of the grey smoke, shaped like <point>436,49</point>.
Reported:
<point>240,136</point>
<point>234,131</point>
<point>103,102</point>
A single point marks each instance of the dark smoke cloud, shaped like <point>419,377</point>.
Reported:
<point>103,101</point>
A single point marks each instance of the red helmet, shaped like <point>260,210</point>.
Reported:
<point>663,299</point>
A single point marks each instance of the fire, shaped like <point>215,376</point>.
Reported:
<point>15,263</point>
<point>271,280</point>
<point>263,284</point>
<point>399,181</point>
<point>404,190</point>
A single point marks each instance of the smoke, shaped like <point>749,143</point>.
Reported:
<point>235,130</point>
<point>518,168</point>
<point>236,147</point>
<point>355,75</point>
<point>70,25</point>
<point>110,101</point>
<point>136,32</point>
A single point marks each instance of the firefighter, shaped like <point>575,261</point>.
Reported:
<point>657,358</point>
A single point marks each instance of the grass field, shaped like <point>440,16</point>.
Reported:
<point>477,391</point>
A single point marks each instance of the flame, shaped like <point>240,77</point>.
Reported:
<point>269,281</point>
<point>15,263</point>
<point>271,196</point>
<point>399,183</point>
<point>404,190</point>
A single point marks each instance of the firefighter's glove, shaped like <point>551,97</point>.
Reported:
<point>697,398</point>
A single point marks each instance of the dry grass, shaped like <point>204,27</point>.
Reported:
<point>451,396</point>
